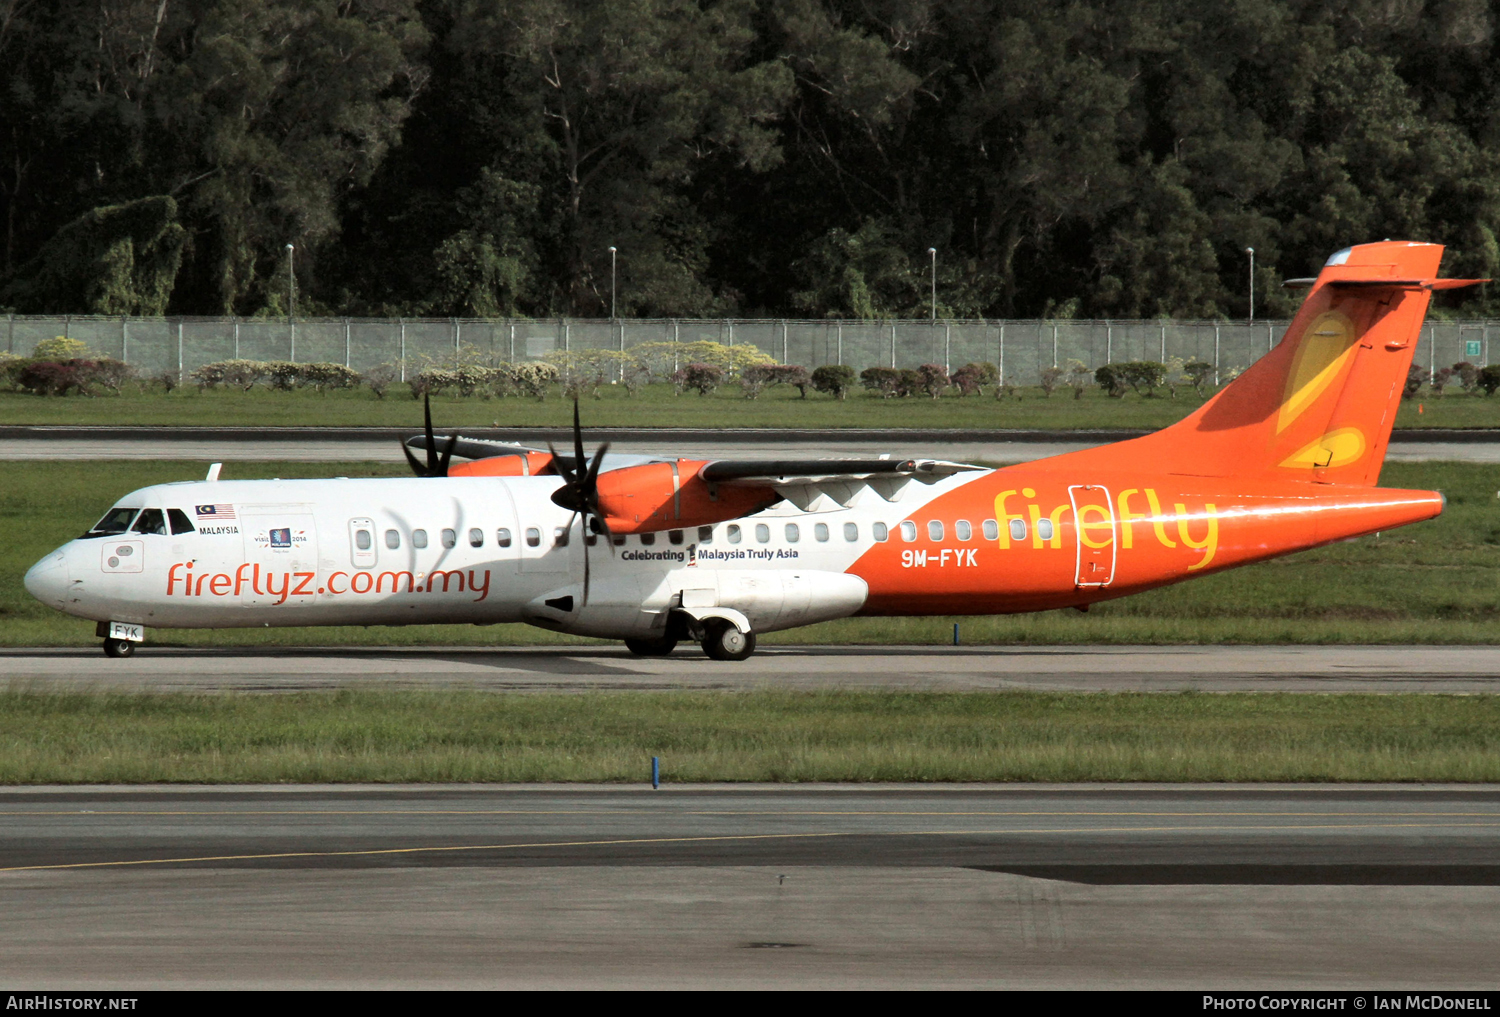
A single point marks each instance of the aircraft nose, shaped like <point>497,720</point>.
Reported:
<point>47,580</point>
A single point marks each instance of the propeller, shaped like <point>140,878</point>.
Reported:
<point>437,466</point>
<point>580,493</point>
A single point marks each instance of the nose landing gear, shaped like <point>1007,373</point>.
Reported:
<point>118,648</point>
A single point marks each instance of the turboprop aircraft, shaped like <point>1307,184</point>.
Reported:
<point>657,550</point>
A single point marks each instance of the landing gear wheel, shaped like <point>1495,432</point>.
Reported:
<point>661,647</point>
<point>722,641</point>
<point>118,648</point>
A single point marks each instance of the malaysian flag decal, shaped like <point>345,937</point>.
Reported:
<point>215,511</point>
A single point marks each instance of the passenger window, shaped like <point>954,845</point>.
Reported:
<point>150,521</point>
<point>762,532</point>
<point>591,539</point>
<point>962,530</point>
<point>675,536</point>
<point>619,540</point>
<point>418,538</point>
<point>647,539</point>
<point>705,534</point>
<point>363,540</point>
<point>820,531</point>
<point>179,521</point>
<point>560,535</point>
<point>450,539</point>
<point>851,532</point>
<point>533,537</point>
<point>502,537</point>
<point>879,531</point>
<point>476,538</point>
<point>934,530</point>
<point>1044,529</point>
<point>392,539</point>
<point>793,533</point>
<point>1018,529</point>
<point>991,530</point>
<point>733,533</point>
<point>908,531</point>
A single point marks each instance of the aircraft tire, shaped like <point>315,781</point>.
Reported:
<point>118,648</point>
<point>652,647</point>
<point>723,641</point>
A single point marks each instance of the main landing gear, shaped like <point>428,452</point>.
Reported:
<point>723,641</point>
<point>720,639</point>
<point>118,648</point>
<point>652,647</point>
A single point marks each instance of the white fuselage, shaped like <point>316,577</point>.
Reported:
<point>477,550</point>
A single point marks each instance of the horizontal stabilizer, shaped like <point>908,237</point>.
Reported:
<point>801,471</point>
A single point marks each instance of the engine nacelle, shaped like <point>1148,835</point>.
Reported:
<point>672,495</point>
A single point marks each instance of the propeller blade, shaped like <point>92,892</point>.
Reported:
<point>563,469</point>
<point>431,438</point>
<point>583,531</point>
<point>416,467</point>
<point>577,438</point>
<point>442,468</point>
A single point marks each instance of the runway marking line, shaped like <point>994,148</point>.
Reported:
<point>369,852</point>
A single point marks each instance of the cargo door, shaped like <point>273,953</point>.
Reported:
<point>1095,533</point>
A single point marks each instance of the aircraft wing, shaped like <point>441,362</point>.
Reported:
<point>804,481</point>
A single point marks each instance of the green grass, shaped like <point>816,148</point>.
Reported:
<point>1433,583</point>
<point>657,406</point>
<point>764,736</point>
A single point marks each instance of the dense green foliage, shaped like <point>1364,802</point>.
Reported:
<point>788,157</point>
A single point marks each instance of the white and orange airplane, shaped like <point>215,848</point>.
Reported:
<point>653,551</point>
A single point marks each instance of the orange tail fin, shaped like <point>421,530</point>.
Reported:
<point>1320,406</point>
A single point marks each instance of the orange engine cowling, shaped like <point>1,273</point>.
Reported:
<point>672,495</point>
<point>524,464</point>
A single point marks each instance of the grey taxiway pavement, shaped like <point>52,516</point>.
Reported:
<point>1448,669</point>
<point>1019,886</point>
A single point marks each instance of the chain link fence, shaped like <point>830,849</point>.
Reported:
<point>1020,348</point>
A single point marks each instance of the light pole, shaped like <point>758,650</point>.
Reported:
<point>932,253</point>
<point>291,301</point>
<point>1251,251</point>
<point>611,284</point>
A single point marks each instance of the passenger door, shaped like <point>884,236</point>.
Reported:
<point>1096,535</point>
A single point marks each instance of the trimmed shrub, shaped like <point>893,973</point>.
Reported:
<point>1201,374</point>
<point>1416,377</point>
<point>1051,378</point>
<point>932,379</point>
<point>834,379</point>
<point>1111,379</point>
<point>61,350</point>
<point>756,377</point>
<point>323,377</point>
<point>701,378</point>
<point>381,377</point>
<point>880,379</point>
<point>1489,379</point>
<point>1468,375</point>
<point>48,377</point>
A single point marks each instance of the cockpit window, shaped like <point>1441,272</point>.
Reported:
<point>116,520</point>
<point>150,521</point>
<point>181,524</point>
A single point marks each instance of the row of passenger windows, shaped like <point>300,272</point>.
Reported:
<point>936,531</point>
<point>963,530</point>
